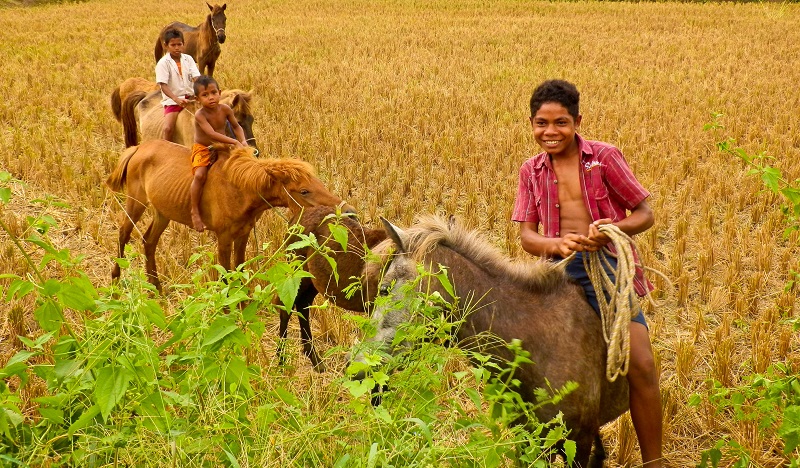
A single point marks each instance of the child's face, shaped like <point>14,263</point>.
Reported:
<point>175,47</point>
<point>208,95</point>
<point>554,128</point>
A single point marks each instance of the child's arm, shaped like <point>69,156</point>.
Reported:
<point>237,129</point>
<point>640,220</point>
<point>202,124</point>
<point>178,100</point>
<point>541,246</point>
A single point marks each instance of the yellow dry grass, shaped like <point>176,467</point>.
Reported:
<point>414,107</point>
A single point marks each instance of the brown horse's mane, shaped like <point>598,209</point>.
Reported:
<point>431,231</point>
<point>252,174</point>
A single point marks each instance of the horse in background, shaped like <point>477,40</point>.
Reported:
<point>143,113</point>
<point>201,42</point>
<point>533,301</point>
<point>238,190</point>
<point>349,264</point>
<point>126,88</point>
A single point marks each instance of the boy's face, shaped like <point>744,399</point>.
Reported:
<point>208,95</point>
<point>554,128</point>
<point>175,47</point>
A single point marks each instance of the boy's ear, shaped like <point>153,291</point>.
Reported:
<point>578,120</point>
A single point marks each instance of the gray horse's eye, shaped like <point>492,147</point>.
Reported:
<point>384,290</point>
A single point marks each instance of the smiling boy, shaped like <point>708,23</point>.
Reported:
<point>209,127</point>
<point>571,188</point>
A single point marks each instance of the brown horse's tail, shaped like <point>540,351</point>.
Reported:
<point>116,181</point>
<point>116,104</point>
<point>129,118</point>
<point>158,50</point>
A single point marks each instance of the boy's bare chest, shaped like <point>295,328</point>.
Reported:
<point>217,120</point>
<point>568,179</point>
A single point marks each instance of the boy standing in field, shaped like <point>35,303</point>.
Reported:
<point>175,72</point>
<point>571,188</point>
<point>209,127</point>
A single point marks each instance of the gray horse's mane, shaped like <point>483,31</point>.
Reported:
<point>433,230</point>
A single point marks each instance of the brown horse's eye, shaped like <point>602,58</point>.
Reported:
<point>304,192</point>
<point>384,290</point>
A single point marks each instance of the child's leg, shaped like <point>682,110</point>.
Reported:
<point>169,124</point>
<point>645,397</point>
<point>196,192</point>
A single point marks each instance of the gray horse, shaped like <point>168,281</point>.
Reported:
<point>533,301</point>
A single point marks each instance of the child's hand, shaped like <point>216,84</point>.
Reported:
<point>594,232</point>
<point>239,144</point>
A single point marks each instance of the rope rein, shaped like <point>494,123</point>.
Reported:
<point>617,300</point>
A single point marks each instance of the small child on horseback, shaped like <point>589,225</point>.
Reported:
<point>210,122</point>
<point>175,72</point>
<point>571,189</point>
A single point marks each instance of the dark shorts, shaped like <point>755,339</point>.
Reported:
<point>171,109</point>
<point>577,271</point>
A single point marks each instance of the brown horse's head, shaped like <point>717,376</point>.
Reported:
<point>281,182</point>
<point>239,102</point>
<point>217,19</point>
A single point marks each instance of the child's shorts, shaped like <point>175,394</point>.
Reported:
<point>172,108</point>
<point>201,156</point>
<point>577,271</point>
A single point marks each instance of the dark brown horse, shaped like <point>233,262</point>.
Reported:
<point>201,42</point>
<point>349,265</point>
<point>238,190</point>
<point>143,113</point>
<point>533,301</point>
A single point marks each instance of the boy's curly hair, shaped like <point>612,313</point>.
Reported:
<point>560,91</point>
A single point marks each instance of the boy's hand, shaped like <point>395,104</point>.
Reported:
<point>576,243</point>
<point>182,101</point>
<point>239,144</point>
<point>594,232</point>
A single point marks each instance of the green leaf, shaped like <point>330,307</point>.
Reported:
<point>152,310</point>
<point>19,289</point>
<point>75,298</point>
<point>339,233</point>
<point>54,415</point>
<point>51,287</point>
<point>48,315</point>
<point>287,397</point>
<point>153,414</point>
<point>237,373</point>
<point>110,386</point>
<point>221,328</point>
<point>5,194</point>
<point>85,420</point>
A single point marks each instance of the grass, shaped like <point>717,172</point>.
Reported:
<point>408,108</point>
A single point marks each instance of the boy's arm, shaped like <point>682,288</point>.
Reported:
<point>640,220</point>
<point>178,100</point>
<point>541,246</point>
<point>202,124</point>
<point>237,129</point>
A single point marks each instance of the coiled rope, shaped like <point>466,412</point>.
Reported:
<point>618,305</point>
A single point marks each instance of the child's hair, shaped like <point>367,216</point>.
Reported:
<point>202,82</point>
<point>172,33</point>
<point>560,91</point>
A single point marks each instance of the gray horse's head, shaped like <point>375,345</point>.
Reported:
<point>395,291</point>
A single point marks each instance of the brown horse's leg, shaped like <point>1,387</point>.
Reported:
<point>151,238</point>
<point>303,306</point>
<point>224,247</point>
<point>240,248</point>
<point>211,64</point>
<point>133,213</point>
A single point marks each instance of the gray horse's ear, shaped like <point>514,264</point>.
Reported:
<point>451,221</point>
<point>396,234</point>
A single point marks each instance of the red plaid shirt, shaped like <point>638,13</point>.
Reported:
<point>609,190</point>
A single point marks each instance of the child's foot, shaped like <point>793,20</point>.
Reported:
<point>197,221</point>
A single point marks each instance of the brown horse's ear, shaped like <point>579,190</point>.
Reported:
<point>209,7</point>
<point>235,101</point>
<point>396,234</point>
<point>224,5</point>
<point>451,221</point>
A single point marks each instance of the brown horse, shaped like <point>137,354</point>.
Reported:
<point>126,88</point>
<point>239,188</point>
<point>533,301</point>
<point>143,113</point>
<point>349,264</point>
<point>201,42</point>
